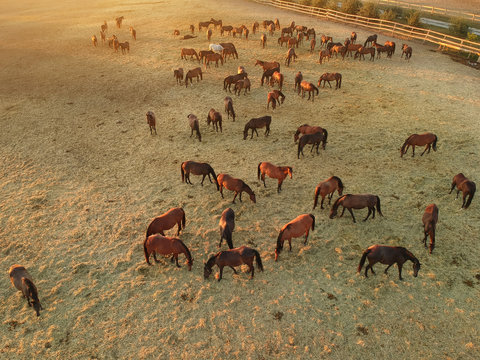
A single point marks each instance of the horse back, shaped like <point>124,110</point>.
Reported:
<point>16,273</point>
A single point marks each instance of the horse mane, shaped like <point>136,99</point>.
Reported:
<point>313,221</point>
<point>336,203</point>
<point>187,252</point>
<point>408,254</point>
<point>279,239</point>
<point>340,184</point>
<point>434,145</point>
<point>211,260</point>
<point>32,289</point>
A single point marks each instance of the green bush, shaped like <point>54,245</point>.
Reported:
<point>332,4</point>
<point>473,37</point>
<point>413,18</point>
<point>398,11</point>
<point>320,3</point>
<point>351,6</point>
<point>389,15</point>
<point>369,9</point>
<point>459,27</point>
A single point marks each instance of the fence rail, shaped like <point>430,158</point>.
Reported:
<point>395,29</point>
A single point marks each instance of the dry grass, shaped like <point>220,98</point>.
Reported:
<point>81,177</point>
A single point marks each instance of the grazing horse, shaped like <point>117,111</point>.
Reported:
<point>184,52</point>
<point>226,28</point>
<point>164,245</point>
<point>407,50</point>
<point>314,139</point>
<point>290,55</point>
<point>274,172</point>
<point>360,201</point>
<point>194,125</point>
<point>205,24</point>
<point>429,220</point>
<point>391,44</point>
<point>215,118</point>
<point>104,27</point>
<point>228,182</point>
<point>267,74</point>
<point>232,79</point>
<point>428,140</point>
<point>103,36</point>
<point>174,216</point>
<point>125,47</point>
<point>209,34</point>
<point>192,29</point>
<point>227,225</point>
<point>257,123</point>
<point>151,122</point>
<point>388,255</point>
<point>197,72</point>
<point>213,57</point>
<point>268,65</point>
<point>278,78</point>
<point>313,42</point>
<point>231,258</point>
<point>362,51</point>
<point>338,49</point>
<point>327,77</point>
<point>263,41</point>
<point>308,86</point>
<point>327,188</point>
<point>178,75</point>
<point>242,84</point>
<point>271,29</point>
<point>283,40</point>
<point>255,26</point>
<point>370,40</point>
<point>275,97</point>
<point>287,30</point>
<point>197,168</point>
<point>381,49</point>
<point>232,48</point>
<point>307,129</point>
<point>229,107</point>
<point>22,280</point>
<point>94,41</point>
<point>229,52</point>
<point>292,42</point>
<point>266,23</point>
<point>298,80</point>
<point>325,39</point>
<point>351,47</point>
<point>353,37</point>
<point>133,32</point>
<point>216,23</point>
<point>467,187</point>
<point>295,228</point>
<point>245,33</point>
<point>119,20</point>
<point>271,99</point>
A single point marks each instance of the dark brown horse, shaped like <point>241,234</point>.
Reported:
<point>407,50</point>
<point>467,187</point>
<point>429,220</point>
<point>360,201</point>
<point>242,84</point>
<point>307,129</point>
<point>151,122</point>
<point>388,255</point>
<point>290,56</point>
<point>226,29</point>
<point>227,225</point>
<point>232,79</point>
<point>229,107</point>
<point>428,140</point>
<point>267,75</point>
<point>370,40</point>
<point>308,86</point>
<point>315,139</point>
<point>313,42</point>
<point>178,75</point>
<point>197,168</point>
<point>391,44</point>
<point>268,65</point>
<point>361,52</point>
<point>216,23</point>
<point>22,280</point>
<point>274,172</point>
<point>215,118</point>
<point>203,53</point>
<point>233,184</point>
<point>381,49</point>
<point>324,54</point>
<point>184,52</point>
<point>295,228</point>
<point>164,245</point>
<point>351,47</point>
<point>204,24</point>
<point>283,40</point>
<point>119,20</point>
<point>278,78</point>
<point>197,72</point>
<point>353,37</point>
<point>298,79</point>
<point>232,258</point>
<point>194,125</point>
<point>174,216</point>
<point>327,77</point>
<point>327,188</point>
<point>257,123</point>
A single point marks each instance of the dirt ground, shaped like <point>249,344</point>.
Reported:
<point>81,178</point>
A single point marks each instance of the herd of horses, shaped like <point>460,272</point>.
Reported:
<point>113,41</point>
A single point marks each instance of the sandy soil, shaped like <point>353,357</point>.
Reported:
<point>81,178</point>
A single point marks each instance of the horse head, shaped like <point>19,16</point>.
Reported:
<point>252,197</point>
<point>416,267</point>
<point>290,171</point>
<point>207,270</point>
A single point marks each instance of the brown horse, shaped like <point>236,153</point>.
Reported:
<point>255,27</point>
<point>104,27</point>
<point>196,168</point>
<point>327,188</point>
<point>271,29</point>
<point>351,47</point>
<point>298,79</point>
<point>265,23</point>
<point>233,184</point>
<point>204,24</point>
<point>245,33</point>
<point>267,74</point>
<point>176,32</point>
<point>275,97</point>
<point>164,245</point>
<point>185,52</point>
<point>192,28</point>
<point>308,86</point>
<point>213,57</point>
<point>391,44</point>
<point>353,37</point>
<point>119,20</point>
<point>363,50</point>
<point>194,125</point>
<point>232,79</point>
<point>178,75</point>
<point>287,30</point>
<point>268,65</point>
<point>314,139</point>
<point>407,50</point>
<point>227,225</point>
<point>290,56</point>
<point>327,77</point>
<point>226,29</point>
<point>242,84</point>
<point>388,255</point>
<point>103,36</point>
<point>229,52</point>
<point>125,47</point>
<point>263,41</point>
<point>360,201</point>
<point>381,49</point>
<point>278,78</point>
<point>174,216</point>
<point>325,39</point>
<point>338,49</point>
<point>295,228</point>
<point>151,122</point>
<point>216,23</point>
<point>370,39</point>
<point>209,34</point>
<point>307,129</point>
<point>274,172</point>
<point>428,140</point>
<point>133,32</point>
<point>22,280</point>
<point>215,118</point>
<point>203,53</point>
<point>94,41</point>
<point>292,42</point>
<point>257,123</point>
<point>229,107</point>
<point>313,42</point>
<point>467,187</point>
<point>283,40</point>
<point>197,72</point>
<point>231,258</point>
<point>429,220</point>
<point>231,47</point>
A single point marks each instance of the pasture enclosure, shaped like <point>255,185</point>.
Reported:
<point>82,177</point>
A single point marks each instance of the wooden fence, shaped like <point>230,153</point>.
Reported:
<point>390,27</point>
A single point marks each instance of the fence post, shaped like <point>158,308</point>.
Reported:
<point>426,35</point>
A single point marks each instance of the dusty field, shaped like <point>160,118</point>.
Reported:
<point>81,178</point>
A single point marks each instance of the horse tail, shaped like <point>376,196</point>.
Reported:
<point>187,252</point>
<point>362,260</point>
<point>145,251</point>
<point>183,219</point>
<point>315,88</point>
<point>434,145</point>
<point>258,259</point>
<point>182,172</point>
<point>227,235</point>
<point>317,192</point>
<point>258,171</point>
<point>313,221</point>
<point>378,206</point>
<point>214,177</point>
<point>472,192</point>
<point>325,134</point>
<point>340,82</point>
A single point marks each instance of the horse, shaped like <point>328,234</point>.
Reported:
<point>290,55</point>
<point>314,139</point>
<point>133,32</point>
<point>327,77</point>
<point>370,40</point>
<point>194,125</point>
<point>197,72</point>
<point>104,27</point>
<point>388,255</point>
<point>242,84</point>
<point>111,40</point>
<point>237,30</point>
<point>391,44</point>
<point>271,29</point>
<point>232,48</point>
<point>216,23</point>
<point>267,74</point>
<point>197,168</point>
<point>125,47</point>
<point>353,37</point>
<point>427,139</point>
<point>327,188</point>
<point>274,172</point>
<point>204,24</point>
<point>257,123</point>
<point>174,216</point>
<point>467,187</point>
<point>119,20</point>
<point>213,57</point>
<point>231,258</point>
<point>255,26</point>
<point>209,34</point>
<point>265,23</point>
<point>245,33</point>
<point>325,39</point>
<point>184,52</point>
<point>151,122</point>
<point>298,79</point>
<point>300,29</point>
<point>307,86</point>
<point>283,40</point>
<point>292,42</point>
<point>268,65</point>
<point>94,41</point>
<point>338,49</point>
<point>277,24</point>
<point>192,29</point>
<point>429,220</point>
<point>229,107</point>
<point>232,79</point>
<point>307,129</point>
<point>229,52</point>
<point>103,36</point>
<point>278,78</point>
<point>271,99</point>
<point>351,47</point>
<point>360,201</point>
<point>407,50</point>
<point>226,28</point>
<point>313,42</point>
<point>275,97</point>
<point>241,69</point>
<point>203,53</point>
<point>263,41</point>
<point>215,118</point>
<point>381,49</point>
<point>176,32</point>
<point>116,44</point>
<point>227,225</point>
<point>362,51</point>
<point>287,30</point>
<point>216,48</point>
<point>228,182</point>
<point>295,228</point>
<point>22,280</point>
<point>164,245</point>
<point>186,37</point>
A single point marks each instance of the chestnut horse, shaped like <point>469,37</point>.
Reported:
<point>327,77</point>
<point>268,65</point>
<point>232,258</point>
<point>370,39</point>
<point>257,123</point>
<point>151,122</point>
<point>229,107</point>
<point>164,245</point>
<point>203,53</point>
<point>215,118</point>
<point>466,186</point>
<point>388,255</point>
<point>233,184</point>
<point>327,188</point>
<point>290,56</point>
<point>227,225</point>
<point>274,172</point>
<point>353,37</point>
<point>428,140</point>
<point>313,42</point>
<point>315,139</point>
<point>307,86</point>
<point>184,52</point>
<point>278,78</point>
<point>213,57</point>
<point>242,84</point>
<point>22,280</point>
<point>325,39</point>
<point>197,168</point>
<point>94,41</point>
<point>226,28</point>
<point>197,72</point>
<point>298,80</point>
<point>407,50</point>
<point>267,74</point>
<point>391,44</point>
<point>295,228</point>
<point>307,129</point>
<point>429,220</point>
<point>232,79</point>
<point>360,201</point>
<point>363,50</point>
<point>263,41</point>
<point>174,216</point>
<point>194,125</point>
<point>178,75</point>
<point>275,97</point>
<point>283,40</point>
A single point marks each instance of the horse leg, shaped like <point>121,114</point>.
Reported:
<point>426,147</point>
<point>353,217</point>
<point>399,271</point>
<point>366,270</point>
<point>191,133</point>
<point>176,260</point>
<point>321,204</point>
<point>221,190</point>
<point>388,267</point>
<point>179,224</point>
<point>279,188</point>
<point>256,132</point>
<point>413,150</point>
<point>263,179</point>
<point>235,271</point>
<point>290,243</point>
<point>221,273</point>
<point>464,198</point>
<point>458,192</point>
<point>204,179</point>
<point>240,197</point>
<point>155,257</point>
<point>369,212</point>
<point>373,212</point>
<point>236,193</point>
<point>312,148</point>
<point>306,238</point>
<point>425,239</point>
<point>210,179</point>
<point>343,211</point>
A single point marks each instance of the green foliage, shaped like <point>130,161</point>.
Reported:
<point>332,4</point>
<point>351,6</point>
<point>473,37</point>
<point>459,27</point>
<point>413,18</point>
<point>389,15</point>
<point>369,9</point>
<point>397,10</point>
<point>320,3</point>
